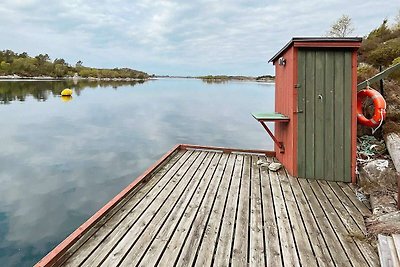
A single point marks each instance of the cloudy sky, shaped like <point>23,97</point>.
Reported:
<point>176,37</point>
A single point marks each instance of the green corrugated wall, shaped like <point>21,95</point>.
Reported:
<point>324,121</point>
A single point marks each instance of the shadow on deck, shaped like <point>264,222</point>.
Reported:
<point>205,207</point>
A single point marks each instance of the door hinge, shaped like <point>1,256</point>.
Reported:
<point>297,85</point>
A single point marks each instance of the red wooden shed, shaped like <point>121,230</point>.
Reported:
<point>315,98</point>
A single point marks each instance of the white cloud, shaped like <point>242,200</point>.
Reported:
<point>175,37</point>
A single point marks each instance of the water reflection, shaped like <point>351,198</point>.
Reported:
<point>59,163</point>
<point>42,90</point>
<point>209,81</point>
<point>66,98</point>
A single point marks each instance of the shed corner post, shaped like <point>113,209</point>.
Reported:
<point>354,117</point>
<point>295,110</point>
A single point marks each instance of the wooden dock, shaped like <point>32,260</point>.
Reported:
<point>208,206</point>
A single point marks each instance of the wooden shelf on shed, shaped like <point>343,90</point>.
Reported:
<point>275,116</point>
<point>271,117</point>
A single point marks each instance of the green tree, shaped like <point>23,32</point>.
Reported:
<point>4,68</point>
<point>24,66</point>
<point>9,56</point>
<point>397,20</point>
<point>381,46</point>
<point>41,59</point>
<point>23,55</point>
<point>60,61</point>
<point>385,53</point>
<point>60,70</point>
<point>382,33</point>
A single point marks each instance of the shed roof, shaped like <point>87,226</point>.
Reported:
<point>319,42</point>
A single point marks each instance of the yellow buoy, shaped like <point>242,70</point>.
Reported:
<point>66,92</point>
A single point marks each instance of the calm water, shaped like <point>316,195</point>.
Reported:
<point>60,161</point>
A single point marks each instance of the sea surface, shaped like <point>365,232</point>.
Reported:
<point>61,159</point>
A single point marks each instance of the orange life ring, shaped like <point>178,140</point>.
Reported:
<point>379,107</point>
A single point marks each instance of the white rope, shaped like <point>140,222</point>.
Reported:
<point>380,123</point>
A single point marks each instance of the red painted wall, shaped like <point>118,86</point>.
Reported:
<point>286,103</point>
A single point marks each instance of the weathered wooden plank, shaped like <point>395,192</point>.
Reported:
<point>319,119</point>
<point>319,245</point>
<point>206,250</point>
<point>170,231</point>
<point>301,117</point>
<point>256,250</point>
<point>386,250</point>
<point>393,252</point>
<point>302,242</point>
<point>338,254</point>
<point>135,242</point>
<point>383,250</point>
<point>339,226</point>
<point>150,191</point>
<point>393,146</point>
<point>310,115</point>
<point>354,231</point>
<point>396,240</point>
<point>348,204</point>
<point>354,188</point>
<point>287,242</point>
<point>329,115</point>
<point>271,234</point>
<point>120,209</point>
<point>194,236</point>
<point>351,195</point>
<point>142,214</point>
<point>347,118</point>
<point>186,239</point>
<point>339,117</point>
<point>224,245</point>
<point>241,235</point>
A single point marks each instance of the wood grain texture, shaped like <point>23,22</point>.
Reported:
<point>199,225</point>
<point>388,254</point>
<point>324,122</point>
<point>207,208</point>
<point>223,252</point>
<point>256,250</point>
<point>139,236</point>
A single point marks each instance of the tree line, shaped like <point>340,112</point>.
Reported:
<point>21,64</point>
<point>379,49</point>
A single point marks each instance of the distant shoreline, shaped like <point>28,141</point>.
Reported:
<point>78,78</point>
<point>222,78</point>
<point>75,78</point>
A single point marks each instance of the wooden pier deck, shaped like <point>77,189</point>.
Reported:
<point>205,207</point>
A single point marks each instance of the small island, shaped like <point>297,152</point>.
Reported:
<point>225,78</point>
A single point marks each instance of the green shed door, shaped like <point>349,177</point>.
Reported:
<point>324,118</point>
